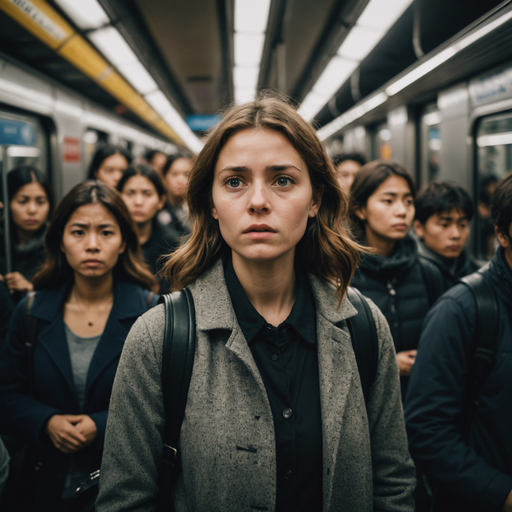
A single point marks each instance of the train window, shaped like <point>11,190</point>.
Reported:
<point>382,142</point>
<point>494,161</point>
<point>430,144</point>
<point>24,140</point>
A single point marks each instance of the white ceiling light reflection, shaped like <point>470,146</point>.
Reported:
<point>87,14</point>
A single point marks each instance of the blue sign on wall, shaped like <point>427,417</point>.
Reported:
<point>199,123</point>
<point>16,133</point>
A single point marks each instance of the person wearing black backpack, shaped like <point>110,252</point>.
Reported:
<point>458,406</point>
<point>402,286</point>
<point>275,416</point>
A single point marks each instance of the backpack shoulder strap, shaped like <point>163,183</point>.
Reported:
<point>363,333</point>
<point>29,344</point>
<point>177,364</point>
<point>432,278</point>
<point>486,335</point>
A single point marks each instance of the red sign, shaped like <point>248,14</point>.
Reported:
<point>71,150</point>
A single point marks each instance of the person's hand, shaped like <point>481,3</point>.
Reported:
<point>405,361</point>
<point>507,507</point>
<point>64,435</point>
<point>85,425</point>
<point>16,282</point>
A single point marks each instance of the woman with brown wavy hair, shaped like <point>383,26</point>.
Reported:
<point>91,289</point>
<point>275,417</point>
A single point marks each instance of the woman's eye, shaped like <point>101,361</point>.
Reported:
<point>234,183</point>
<point>283,182</point>
<point>107,233</point>
<point>77,232</point>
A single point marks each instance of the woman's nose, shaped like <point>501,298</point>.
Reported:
<point>258,198</point>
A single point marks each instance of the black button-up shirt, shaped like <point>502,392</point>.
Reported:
<point>287,359</point>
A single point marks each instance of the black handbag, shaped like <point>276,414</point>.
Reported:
<point>177,363</point>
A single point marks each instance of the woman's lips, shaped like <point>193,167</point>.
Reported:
<point>92,263</point>
<point>259,231</point>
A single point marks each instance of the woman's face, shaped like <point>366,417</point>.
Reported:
<point>176,179</point>
<point>111,169</point>
<point>158,162</point>
<point>390,209</point>
<point>141,199</point>
<point>262,195</point>
<point>30,207</point>
<point>92,241</point>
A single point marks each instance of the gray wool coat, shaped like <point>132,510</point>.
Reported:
<point>366,463</point>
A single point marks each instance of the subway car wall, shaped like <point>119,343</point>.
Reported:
<point>464,135</point>
<point>67,127</point>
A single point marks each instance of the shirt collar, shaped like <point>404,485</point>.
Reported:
<point>302,316</point>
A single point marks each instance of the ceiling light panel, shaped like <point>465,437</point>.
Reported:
<point>382,14</point>
<point>248,49</point>
<point>138,76</point>
<point>251,16</point>
<point>113,46</point>
<point>336,72</point>
<point>86,14</point>
<point>159,102</point>
<point>359,43</point>
<point>246,76</point>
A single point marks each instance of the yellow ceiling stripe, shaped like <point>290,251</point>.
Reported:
<point>46,24</point>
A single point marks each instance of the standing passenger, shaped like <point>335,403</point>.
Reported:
<point>108,164</point>
<point>459,439</point>
<point>176,172</point>
<point>443,213</point>
<point>30,206</point>
<point>157,160</point>
<point>382,210</point>
<point>347,166</point>
<point>91,289</point>
<point>275,417</point>
<point>144,195</point>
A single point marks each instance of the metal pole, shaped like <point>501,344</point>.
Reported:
<point>5,200</point>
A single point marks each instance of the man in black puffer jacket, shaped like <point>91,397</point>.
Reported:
<point>474,473</point>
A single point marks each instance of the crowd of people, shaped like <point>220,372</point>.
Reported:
<point>267,232</point>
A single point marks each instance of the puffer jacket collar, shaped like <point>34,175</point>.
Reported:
<point>400,261</point>
<point>458,267</point>
<point>219,313</point>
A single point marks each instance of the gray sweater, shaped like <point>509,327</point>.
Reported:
<point>366,463</point>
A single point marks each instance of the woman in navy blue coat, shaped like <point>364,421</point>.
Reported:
<point>92,288</point>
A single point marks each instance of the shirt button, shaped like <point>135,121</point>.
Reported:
<point>287,413</point>
<point>289,474</point>
<point>274,357</point>
<point>284,332</point>
<point>392,291</point>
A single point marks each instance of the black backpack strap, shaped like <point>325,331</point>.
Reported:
<point>486,338</point>
<point>432,278</point>
<point>363,333</point>
<point>29,344</point>
<point>177,364</point>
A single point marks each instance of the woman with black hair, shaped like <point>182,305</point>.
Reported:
<point>30,205</point>
<point>108,164</point>
<point>91,289</point>
<point>144,195</point>
<point>175,176</point>
<point>382,211</point>
<point>156,159</point>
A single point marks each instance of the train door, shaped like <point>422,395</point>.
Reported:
<point>25,142</point>
<point>493,162</point>
<point>93,139</point>
<point>430,144</point>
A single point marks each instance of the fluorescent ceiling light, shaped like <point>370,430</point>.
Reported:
<point>113,46</point>
<point>496,139</point>
<point>138,76</point>
<point>23,151</point>
<point>336,72</point>
<point>159,102</point>
<point>248,49</point>
<point>373,24</point>
<point>351,115</point>
<point>178,124</point>
<point>246,76</point>
<point>86,14</point>
<point>311,105</point>
<point>244,94</point>
<point>382,14</point>
<point>435,61</point>
<point>251,15</point>
<point>359,43</point>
